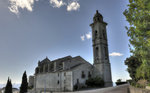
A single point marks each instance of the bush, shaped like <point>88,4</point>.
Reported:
<point>119,82</point>
<point>75,87</point>
<point>139,85</point>
<point>148,84</point>
<point>95,82</point>
<point>129,81</point>
<point>30,87</point>
<point>133,84</point>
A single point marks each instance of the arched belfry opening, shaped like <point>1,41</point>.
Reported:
<point>96,52</point>
<point>96,34</point>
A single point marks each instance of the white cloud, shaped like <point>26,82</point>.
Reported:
<point>57,3</point>
<point>82,38</point>
<point>16,4</point>
<point>73,6</point>
<point>86,36</point>
<point>115,54</point>
<point>89,35</point>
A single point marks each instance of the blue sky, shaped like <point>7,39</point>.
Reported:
<point>30,30</point>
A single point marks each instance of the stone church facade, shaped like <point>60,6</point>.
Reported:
<point>64,74</point>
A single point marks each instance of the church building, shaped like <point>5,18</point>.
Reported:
<point>64,74</point>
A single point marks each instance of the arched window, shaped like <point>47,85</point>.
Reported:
<point>96,52</point>
<point>96,34</point>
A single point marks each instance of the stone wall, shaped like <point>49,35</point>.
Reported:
<point>58,81</point>
<point>84,70</point>
<point>138,90</point>
<point>31,81</point>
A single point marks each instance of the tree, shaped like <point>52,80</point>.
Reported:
<point>95,82</point>
<point>24,84</point>
<point>138,16</point>
<point>119,80</point>
<point>133,63</point>
<point>8,88</point>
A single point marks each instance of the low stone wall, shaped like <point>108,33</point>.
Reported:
<point>138,90</point>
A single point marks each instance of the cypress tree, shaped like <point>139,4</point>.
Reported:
<point>24,84</point>
<point>8,88</point>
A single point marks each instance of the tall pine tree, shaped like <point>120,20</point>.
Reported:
<point>24,84</point>
<point>8,88</point>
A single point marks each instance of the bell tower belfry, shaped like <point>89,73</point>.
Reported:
<point>100,49</point>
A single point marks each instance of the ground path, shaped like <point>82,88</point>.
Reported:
<point>117,89</point>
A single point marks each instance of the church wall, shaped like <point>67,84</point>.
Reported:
<point>31,81</point>
<point>107,75</point>
<point>70,63</point>
<point>77,74</point>
<point>57,81</point>
<point>75,61</point>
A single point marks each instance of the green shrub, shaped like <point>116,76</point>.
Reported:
<point>133,84</point>
<point>30,87</point>
<point>139,85</point>
<point>119,80</point>
<point>129,81</point>
<point>148,84</point>
<point>95,82</point>
<point>75,87</point>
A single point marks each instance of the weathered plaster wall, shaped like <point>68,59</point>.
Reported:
<point>77,73</point>
<point>58,81</point>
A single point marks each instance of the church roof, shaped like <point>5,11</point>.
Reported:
<point>45,60</point>
<point>58,64</point>
<point>63,59</point>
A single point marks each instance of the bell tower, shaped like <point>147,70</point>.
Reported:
<point>100,49</point>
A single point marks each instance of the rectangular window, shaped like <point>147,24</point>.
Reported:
<point>96,51</point>
<point>83,75</point>
<point>58,82</point>
<point>89,75</point>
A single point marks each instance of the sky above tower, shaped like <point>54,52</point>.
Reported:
<point>31,30</point>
